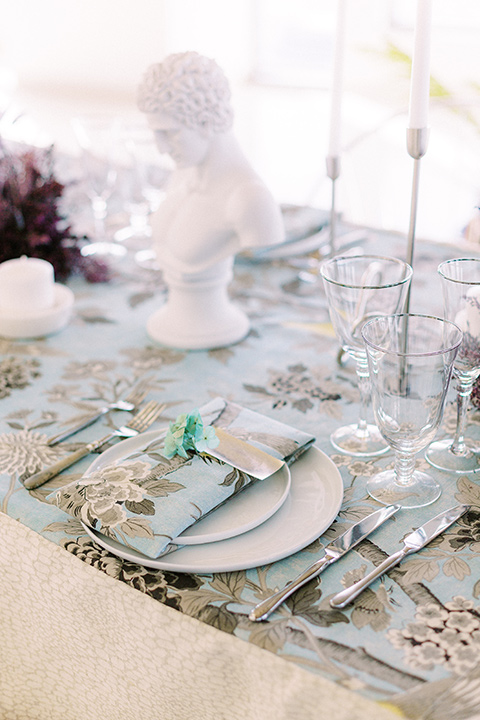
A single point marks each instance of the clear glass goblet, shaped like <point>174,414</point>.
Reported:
<point>357,288</point>
<point>460,280</point>
<point>97,136</point>
<point>410,359</point>
<point>143,178</point>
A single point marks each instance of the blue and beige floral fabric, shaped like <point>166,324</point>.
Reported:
<point>147,500</point>
<point>411,639</point>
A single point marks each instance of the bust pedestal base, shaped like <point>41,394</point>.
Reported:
<point>198,314</point>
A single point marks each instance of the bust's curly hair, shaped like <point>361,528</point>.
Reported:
<point>191,88</point>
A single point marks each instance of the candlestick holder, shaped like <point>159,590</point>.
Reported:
<point>417,141</point>
<point>333,172</point>
<point>311,274</point>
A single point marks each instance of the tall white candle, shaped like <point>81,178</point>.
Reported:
<point>26,286</point>
<point>420,80</point>
<point>337,81</point>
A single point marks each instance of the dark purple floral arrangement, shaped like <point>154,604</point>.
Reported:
<point>30,219</point>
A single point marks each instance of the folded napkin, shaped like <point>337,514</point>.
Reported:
<point>146,500</point>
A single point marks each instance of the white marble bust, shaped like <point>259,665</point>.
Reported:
<point>216,205</point>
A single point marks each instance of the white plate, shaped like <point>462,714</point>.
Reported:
<point>250,508</point>
<point>310,508</point>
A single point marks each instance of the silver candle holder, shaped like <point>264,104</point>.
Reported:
<point>333,172</point>
<point>417,141</point>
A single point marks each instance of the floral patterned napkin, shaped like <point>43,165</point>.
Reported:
<point>146,500</point>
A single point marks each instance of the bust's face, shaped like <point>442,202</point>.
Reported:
<point>185,146</point>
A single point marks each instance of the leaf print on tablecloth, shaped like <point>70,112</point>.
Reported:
<point>218,617</point>
<point>415,570</point>
<point>193,603</point>
<point>468,491</point>
<point>369,609</point>
<point>466,531</point>
<point>457,568</point>
<point>269,636</point>
<point>231,584</point>
<point>321,615</point>
<point>303,600</point>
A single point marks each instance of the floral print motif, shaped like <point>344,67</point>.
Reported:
<point>98,369</point>
<point>152,358</point>
<point>299,387</point>
<point>107,498</point>
<point>16,373</point>
<point>447,636</point>
<point>25,452</point>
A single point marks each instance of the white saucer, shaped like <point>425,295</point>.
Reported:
<point>42,322</point>
<point>241,513</point>
<point>312,504</point>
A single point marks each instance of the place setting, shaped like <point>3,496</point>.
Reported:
<point>222,488</point>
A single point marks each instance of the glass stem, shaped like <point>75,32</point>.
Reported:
<point>404,467</point>
<point>464,390</point>
<point>99,207</point>
<point>364,389</point>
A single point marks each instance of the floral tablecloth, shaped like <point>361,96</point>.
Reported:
<point>410,644</point>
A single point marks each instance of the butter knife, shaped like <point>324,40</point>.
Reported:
<point>332,552</point>
<point>412,543</point>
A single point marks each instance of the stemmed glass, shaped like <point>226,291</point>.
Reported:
<point>97,136</point>
<point>358,288</point>
<point>410,359</point>
<point>460,280</point>
<point>144,175</point>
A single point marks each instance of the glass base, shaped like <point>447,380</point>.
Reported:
<point>441,457</point>
<point>105,249</point>
<point>422,490</point>
<point>349,441</point>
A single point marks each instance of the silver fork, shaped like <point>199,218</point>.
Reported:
<point>139,422</point>
<point>129,403</point>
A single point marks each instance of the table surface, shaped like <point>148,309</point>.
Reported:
<point>408,641</point>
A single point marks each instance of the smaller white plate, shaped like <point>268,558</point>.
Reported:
<point>250,508</point>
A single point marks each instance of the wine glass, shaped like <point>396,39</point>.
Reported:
<point>97,136</point>
<point>460,280</point>
<point>410,360</point>
<point>145,172</point>
<point>360,287</point>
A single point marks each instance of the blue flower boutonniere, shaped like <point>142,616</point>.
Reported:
<point>189,433</point>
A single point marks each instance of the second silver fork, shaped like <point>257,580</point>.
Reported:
<point>140,422</point>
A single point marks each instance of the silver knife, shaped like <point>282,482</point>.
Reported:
<point>413,542</point>
<point>332,552</point>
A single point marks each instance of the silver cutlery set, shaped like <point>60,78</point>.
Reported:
<point>357,532</point>
<point>142,419</point>
<point>261,465</point>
